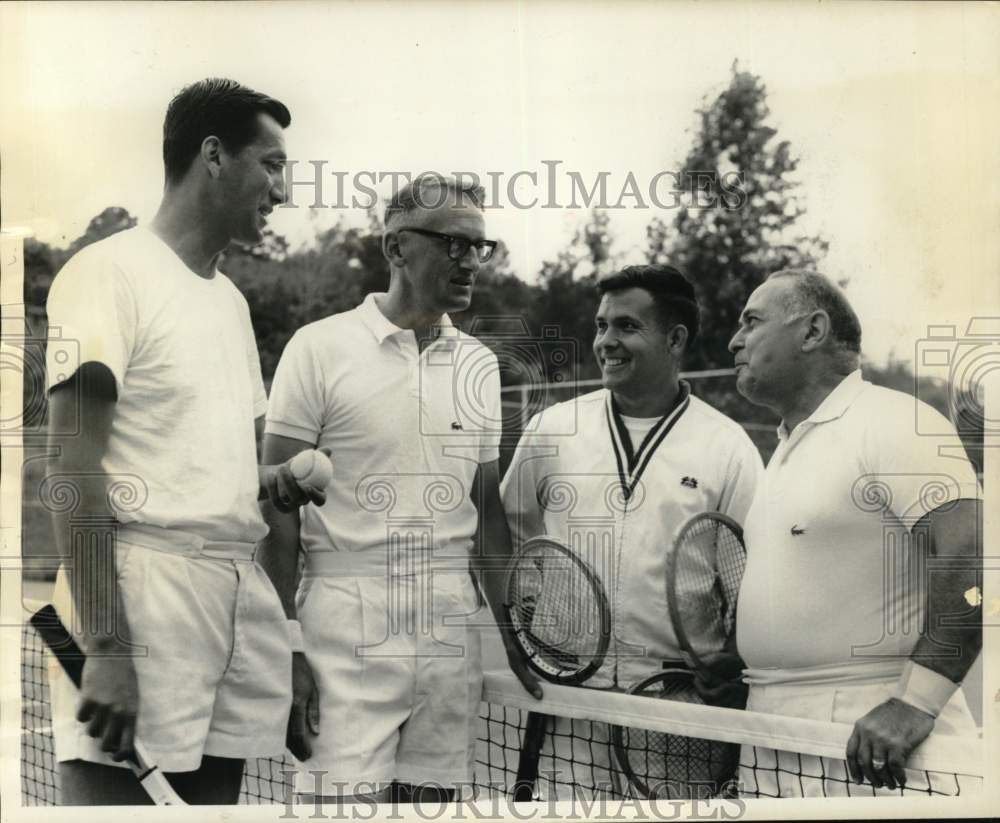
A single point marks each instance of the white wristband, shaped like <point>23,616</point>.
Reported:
<point>924,689</point>
<point>295,639</point>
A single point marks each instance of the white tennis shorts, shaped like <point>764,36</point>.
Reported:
<point>213,659</point>
<point>397,665</point>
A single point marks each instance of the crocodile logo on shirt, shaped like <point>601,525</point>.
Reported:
<point>796,531</point>
<point>456,426</point>
<point>690,482</point>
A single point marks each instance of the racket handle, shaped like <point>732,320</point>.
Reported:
<point>65,649</point>
<point>153,781</point>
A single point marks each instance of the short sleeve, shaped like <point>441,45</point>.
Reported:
<point>744,471</point>
<point>912,470</point>
<point>520,489</point>
<point>492,429</point>
<point>92,318</point>
<point>295,407</point>
<point>253,367</point>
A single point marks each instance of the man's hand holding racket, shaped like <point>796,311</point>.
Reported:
<point>704,571</point>
<point>109,700</point>
<point>298,481</point>
<point>518,664</point>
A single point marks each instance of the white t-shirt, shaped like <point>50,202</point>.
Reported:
<point>182,448</point>
<point>407,429</point>
<point>574,477</point>
<point>831,580</point>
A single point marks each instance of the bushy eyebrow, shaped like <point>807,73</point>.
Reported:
<point>620,318</point>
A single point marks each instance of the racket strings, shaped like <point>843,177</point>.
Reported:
<point>707,573</point>
<point>662,765</point>
<point>555,605</point>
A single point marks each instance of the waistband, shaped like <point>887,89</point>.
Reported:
<point>186,544</point>
<point>855,672</point>
<point>380,562</point>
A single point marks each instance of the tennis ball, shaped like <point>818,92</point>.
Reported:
<point>312,468</point>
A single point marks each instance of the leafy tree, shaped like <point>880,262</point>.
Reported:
<point>110,221</point>
<point>738,221</point>
<point>567,297</point>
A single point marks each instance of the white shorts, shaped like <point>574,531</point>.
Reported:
<point>397,665</point>
<point>770,773</point>
<point>213,661</point>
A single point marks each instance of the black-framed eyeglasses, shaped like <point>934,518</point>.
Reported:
<point>458,247</point>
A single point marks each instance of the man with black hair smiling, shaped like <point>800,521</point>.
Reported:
<point>642,455</point>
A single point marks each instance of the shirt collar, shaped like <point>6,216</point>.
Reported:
<point>834,404</point>
<point>382,327</point>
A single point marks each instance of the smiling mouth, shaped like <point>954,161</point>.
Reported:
<point>614,362</point>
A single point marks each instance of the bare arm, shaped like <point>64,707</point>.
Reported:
<point>949,645</point>
<point>492,553</point>
<point>80,414</point>
<point>278,553</point>
<point>275,480</point>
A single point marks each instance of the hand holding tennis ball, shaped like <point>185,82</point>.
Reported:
<point>312,468</point>
<point>302,479</point>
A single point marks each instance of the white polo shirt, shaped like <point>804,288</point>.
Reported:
<point>182,449</point>
<point>578,476</point>
<point>407,430</point>
<point>831,585</point>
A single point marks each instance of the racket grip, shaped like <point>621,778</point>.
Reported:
<point>60,642</point>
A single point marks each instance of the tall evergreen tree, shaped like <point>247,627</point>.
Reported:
<point>738,222</point>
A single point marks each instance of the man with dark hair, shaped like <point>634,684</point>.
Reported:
<point>187,646</point>
<point>644,456</point>
<point>851,504</point>
<point>386,698</point>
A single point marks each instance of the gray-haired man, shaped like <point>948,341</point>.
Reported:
<point>849,470</point>
<point>394,666</point>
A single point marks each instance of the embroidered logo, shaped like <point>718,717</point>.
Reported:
<point>456,426</point>
<point>690,482</point>
<point>796,531</point>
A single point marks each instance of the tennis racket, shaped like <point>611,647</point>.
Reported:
<point>660,765</point>
<point>65,649</point>
<point>559,612</point>
<point>704,571</point>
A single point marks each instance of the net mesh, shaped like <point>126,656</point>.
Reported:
<point>576,758</point>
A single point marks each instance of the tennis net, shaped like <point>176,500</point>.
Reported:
<point>562,748</point>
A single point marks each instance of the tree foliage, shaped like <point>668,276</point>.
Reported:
<point>738,222</point>
<point>727,249</point>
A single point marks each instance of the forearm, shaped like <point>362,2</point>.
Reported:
<point>85,532</point>
<point>953,636</point>
<point>493,556</point>
<point>278,554</point>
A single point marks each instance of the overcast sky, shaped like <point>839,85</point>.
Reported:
<point>893,109</point>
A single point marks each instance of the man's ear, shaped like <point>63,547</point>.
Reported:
<point>211,155</point>
<point>817,326</point>
<point>677,339</point>
<point>391,249</point>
